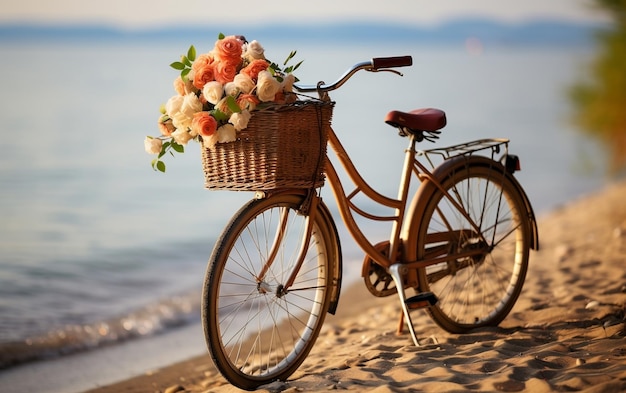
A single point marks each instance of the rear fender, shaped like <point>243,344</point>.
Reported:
<point>428,187</point>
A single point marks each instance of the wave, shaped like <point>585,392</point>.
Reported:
<point>155,318</point>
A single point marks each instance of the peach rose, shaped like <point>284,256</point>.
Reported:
<point>202,76</point>
<point>203,70</point>
<point>228,49</point>
<point>247,101</point>
<point>166,126</point>
<point>280,98</point>
<point>225,72</point>
<point>222,106</point>
<point>204,124</point>
<point>179,86</point>
<point>253,69</point>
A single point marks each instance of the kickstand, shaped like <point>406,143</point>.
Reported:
<point>394,271</point>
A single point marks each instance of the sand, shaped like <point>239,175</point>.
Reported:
<point>566,332</point>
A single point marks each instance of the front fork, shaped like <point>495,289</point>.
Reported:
<point>309,209</point>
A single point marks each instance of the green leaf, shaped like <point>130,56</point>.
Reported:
<point>291,55</point>
<point>177,65</point>
<point>164,149</point>
<point>184,73</point>
<point>297,65</point>
<point>160,165</point>
<point>219,115</point>
<point>232,104</point>
<point>178,148</point>
<point>185,61</point>
<point>221,36</point>
<point>191,53</point>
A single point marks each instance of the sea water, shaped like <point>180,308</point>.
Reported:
<point>97,248</point>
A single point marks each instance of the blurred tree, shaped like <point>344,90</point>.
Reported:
<point>600,102</point>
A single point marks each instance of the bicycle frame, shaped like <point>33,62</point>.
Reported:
<point>411,167</point>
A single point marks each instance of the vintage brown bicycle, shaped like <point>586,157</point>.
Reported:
<point>459,246</point>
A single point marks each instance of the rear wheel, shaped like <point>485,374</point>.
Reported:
<point>483,266</point>
<point>257,330</point>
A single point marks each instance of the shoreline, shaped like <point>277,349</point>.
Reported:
<point>566,332</point>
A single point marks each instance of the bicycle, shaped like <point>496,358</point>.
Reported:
<point>462,243</point>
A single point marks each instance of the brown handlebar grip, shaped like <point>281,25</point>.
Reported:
<point>391,62</point>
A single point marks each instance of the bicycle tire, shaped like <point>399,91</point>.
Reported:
<point>481,290</point>
<point>254,333</point>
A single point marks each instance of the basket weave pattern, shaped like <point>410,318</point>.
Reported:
<point>282,147</point>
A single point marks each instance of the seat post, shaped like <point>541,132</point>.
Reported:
<point>403,193</point>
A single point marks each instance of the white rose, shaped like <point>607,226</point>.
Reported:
<point>181,136</point>
<point>254,50</point>
<point>173,105</point>
<point>244,83</point>
<point>226,133</point>
<point>213,92</point>
<point>288,81</point>
<point>191,105</point>
<point>267,86</point>
<point>230,89</point>
<point>152,145</point>
<point>210,141</point>
<point>240,119</point>
<point>181,121</point>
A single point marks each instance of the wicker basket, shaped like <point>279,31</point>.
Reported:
<point>282,147</point>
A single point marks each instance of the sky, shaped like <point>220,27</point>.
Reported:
<point>139,14</point>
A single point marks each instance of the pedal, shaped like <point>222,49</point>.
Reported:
<point>421,300</point>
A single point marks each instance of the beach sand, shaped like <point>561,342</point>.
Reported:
<point>566,332</point>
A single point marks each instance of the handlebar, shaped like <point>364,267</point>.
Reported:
<point>374,65</point>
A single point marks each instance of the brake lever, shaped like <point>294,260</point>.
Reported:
<point>385,69</point>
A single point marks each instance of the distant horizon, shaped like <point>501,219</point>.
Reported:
<point>538,31</point>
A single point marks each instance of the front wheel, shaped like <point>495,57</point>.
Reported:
<point>257,329</point>
<point>483,247</point>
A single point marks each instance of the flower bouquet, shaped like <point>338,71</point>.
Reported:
<point>217,93</point>
<point>256,134</point>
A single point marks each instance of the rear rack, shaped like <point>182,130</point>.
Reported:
<point>490,147</point>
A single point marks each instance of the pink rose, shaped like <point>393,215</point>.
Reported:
<point>203,124</point>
